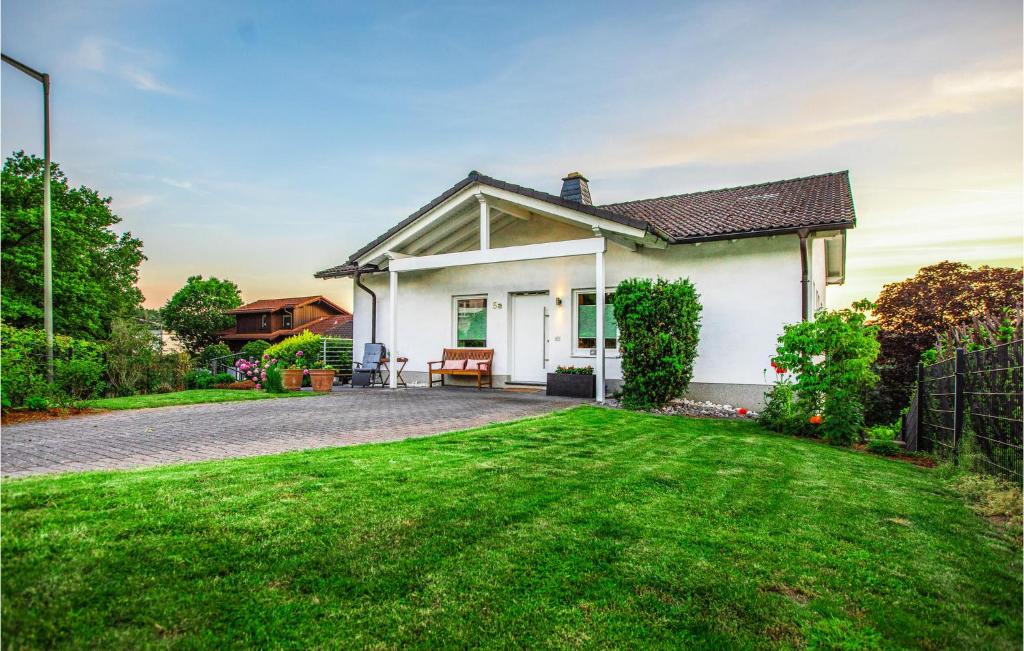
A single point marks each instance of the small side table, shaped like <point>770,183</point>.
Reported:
<point>402,361</point>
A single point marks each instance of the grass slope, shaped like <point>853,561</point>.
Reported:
<point>190,397</point>
<point>589,527</point>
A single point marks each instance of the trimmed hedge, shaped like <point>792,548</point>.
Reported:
<point>659,328</point>
<point>284,351</point>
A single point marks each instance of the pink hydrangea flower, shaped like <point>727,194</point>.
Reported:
<point>305,371</point>
<point>258,386</point>
<point>298,353</point>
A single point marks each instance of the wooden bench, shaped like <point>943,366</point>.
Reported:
<point>482,358</point>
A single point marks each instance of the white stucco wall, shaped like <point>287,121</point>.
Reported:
<point>749,289</point>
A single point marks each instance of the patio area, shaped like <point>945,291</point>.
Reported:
<point>347,416</point>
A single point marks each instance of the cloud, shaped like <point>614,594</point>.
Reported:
<point>129,64</point>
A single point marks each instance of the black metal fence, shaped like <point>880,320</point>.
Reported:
<point>969,409</point>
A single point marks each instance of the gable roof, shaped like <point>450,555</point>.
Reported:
<point>275,304</point>
<point>807,202</point>
<point>775,207</point>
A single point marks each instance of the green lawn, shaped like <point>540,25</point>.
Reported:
<point>589,527</point>
<point>191,397</point>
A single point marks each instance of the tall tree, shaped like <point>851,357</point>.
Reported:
<point>197,311</point>
<point>913,313</point>
<point>95,270</point>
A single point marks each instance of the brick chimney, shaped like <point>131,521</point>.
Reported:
<point>575,188</point>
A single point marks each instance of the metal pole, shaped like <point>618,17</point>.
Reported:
<point>44,79</point>
<point>923,442</point>
<point>47,235</point>
<point>958,403</point>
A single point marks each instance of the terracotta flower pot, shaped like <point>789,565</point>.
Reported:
<point>322,379</point>
<point>292,379</point>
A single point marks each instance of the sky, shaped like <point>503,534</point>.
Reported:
<point>264,141</point>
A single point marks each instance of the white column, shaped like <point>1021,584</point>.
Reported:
<point>485,223</point>
<point>393,331</point>
<point>599,362</point>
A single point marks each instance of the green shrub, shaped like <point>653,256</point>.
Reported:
<point>166,370</point>
<point>832,362</point>
<point>130,351</point>
<point>575,370</point>
<point>884,431</point>
<point>23,366</point>
<point>37,403</point>
<point>212,352</point>
<point>883,447</point>
<point>287,352</point>
<point>659,327</point>
<point>204,379</point>
<point>781,412</point>
<point>254,349</point>
<point>274,383</point>
<point>79,378</point>
<point>198,379</point>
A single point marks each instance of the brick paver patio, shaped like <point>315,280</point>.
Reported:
<point>149,437</point>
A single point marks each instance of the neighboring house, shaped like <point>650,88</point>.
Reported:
<point>276,318</point>
<point>492,264</point>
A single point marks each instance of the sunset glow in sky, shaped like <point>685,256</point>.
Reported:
<point>263,141</point>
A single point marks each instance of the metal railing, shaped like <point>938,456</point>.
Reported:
<point>337,353</point>
<point>969,409</point>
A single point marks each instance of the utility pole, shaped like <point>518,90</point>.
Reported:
<point>44,79</point>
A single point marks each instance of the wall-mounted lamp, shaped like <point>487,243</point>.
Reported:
<point>558,301</point>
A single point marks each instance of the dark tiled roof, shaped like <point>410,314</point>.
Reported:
<point>777,206</point>
<point>810,202</point>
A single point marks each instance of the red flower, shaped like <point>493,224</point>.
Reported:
<point>773,363</point>
<point>814,420</point>
<point>780,370</point>
<point>741,411</point>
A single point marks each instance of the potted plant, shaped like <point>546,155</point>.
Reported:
<point>573,382</point>
<point>292,376</point>
<point>321,376</point>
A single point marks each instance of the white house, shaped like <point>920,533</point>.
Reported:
<point>496,265</point>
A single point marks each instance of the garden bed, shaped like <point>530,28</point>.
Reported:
<point>14,416</point>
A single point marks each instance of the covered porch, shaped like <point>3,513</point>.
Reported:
<point>509,258</point>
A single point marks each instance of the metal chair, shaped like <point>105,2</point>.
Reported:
<point>368,372</point>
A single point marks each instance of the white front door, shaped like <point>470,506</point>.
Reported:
<point>528,338</point>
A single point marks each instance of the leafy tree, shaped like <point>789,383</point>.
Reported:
<point>913,313</point>
<point>197,311</point>
<point>94,269</point>
<point>659,327</point>
<point>831,359</point>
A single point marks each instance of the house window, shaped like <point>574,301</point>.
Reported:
<point>470,321</point>
<point>263,321</point>
<point>584,323</point>
<point>286,321</point>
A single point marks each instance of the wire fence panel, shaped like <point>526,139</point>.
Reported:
<point>970,409</point>
<point>936,416</point>
<point>993,395</point>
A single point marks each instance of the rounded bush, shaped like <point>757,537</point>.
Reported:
<point>659,328</point>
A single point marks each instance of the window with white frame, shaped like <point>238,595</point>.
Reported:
<point>263,321</point>
<point>470,321</point>
<point>286,321</point>
<point>584,323</point>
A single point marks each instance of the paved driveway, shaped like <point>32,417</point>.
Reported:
<point>149,437</point>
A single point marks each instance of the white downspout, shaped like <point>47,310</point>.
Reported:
<point>599,295</point>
